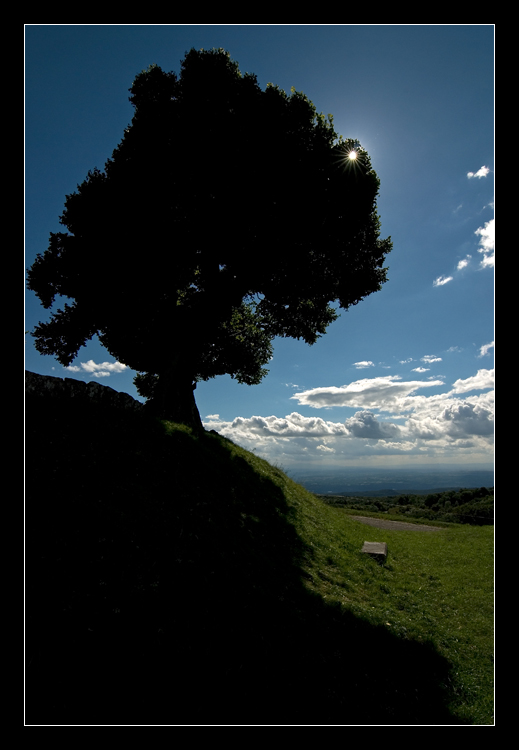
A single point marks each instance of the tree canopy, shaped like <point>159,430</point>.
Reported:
<point>227,215</point>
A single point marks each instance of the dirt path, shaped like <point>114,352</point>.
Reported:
<point>381,523</point>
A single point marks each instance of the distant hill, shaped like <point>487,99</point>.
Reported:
<point>392,482</point>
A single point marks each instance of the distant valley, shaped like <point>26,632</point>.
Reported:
<point>388,482</point>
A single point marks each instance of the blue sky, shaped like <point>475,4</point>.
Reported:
<point>406,376</point>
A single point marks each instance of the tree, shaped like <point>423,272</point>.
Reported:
<point>228,215</point>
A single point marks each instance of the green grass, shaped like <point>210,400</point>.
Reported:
<point>179,579</point>
<point>435,588</point>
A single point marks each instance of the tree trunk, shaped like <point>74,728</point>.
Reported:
<point>174,399</point>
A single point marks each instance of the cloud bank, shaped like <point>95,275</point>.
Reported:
<point>393,419</point>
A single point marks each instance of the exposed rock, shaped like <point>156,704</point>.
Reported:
<point>51,387</point>
<point>377,550</point>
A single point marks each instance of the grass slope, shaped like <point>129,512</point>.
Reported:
<point>175,579</point>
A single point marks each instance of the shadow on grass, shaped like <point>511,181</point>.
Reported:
<point>163,586</point>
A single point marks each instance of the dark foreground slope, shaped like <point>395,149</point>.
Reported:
<point>165,584</point>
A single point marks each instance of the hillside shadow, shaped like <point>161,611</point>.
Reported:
<point>164,586</point>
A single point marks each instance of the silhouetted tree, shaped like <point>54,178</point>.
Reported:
<point>228,215</point>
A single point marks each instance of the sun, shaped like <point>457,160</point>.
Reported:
<point>352,157</point>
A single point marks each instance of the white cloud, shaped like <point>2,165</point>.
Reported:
<point>463,418</point>
<point>325,449</point>
<point>365,425</point>
<point>420,369</point>
<point>482,172</point>
<point>464,263</point>
<point>448,420</point>
<point>362,365</point>
<point>442,280</point>
<point>483,380</point>
<point>487,243</point>
<point>431,358</point>
<point>290,427</point>
<point>483,352</point>
<point>384,393</point>
<point>102,370</point>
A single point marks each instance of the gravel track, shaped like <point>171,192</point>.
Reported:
<point>381,523</point>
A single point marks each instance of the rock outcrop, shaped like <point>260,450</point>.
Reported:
<point>93,392</point>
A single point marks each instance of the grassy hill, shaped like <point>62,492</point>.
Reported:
<point>179,579</point>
